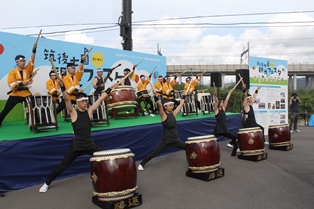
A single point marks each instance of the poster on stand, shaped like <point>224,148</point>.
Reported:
<point>271,104</point>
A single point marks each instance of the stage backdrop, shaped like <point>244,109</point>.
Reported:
<point>63,52</point>
<point>271,105</point>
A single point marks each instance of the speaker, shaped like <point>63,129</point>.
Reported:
<point>245,74</point>
<point>215,78</point>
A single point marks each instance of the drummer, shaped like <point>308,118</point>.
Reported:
<point>158,86</point>
<point>99,81</point>
<point>141,86</point>
<point>127,81</point>
<point>168,89</point>
<point>249,116</point>
<point>189,87</point>
<point>82,143</point>
<point>53,89</point>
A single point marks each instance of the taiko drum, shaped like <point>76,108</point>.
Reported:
<point>251,141</point>
<point>203,154</point>
<point>122,96</point>
<point>279,135</point>
<point>113,174</point>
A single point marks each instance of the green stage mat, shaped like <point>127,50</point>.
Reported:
<point>17,130</point>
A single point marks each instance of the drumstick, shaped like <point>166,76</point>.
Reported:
<point>54,68</point>
<point>237,83</point>
<point>215,92</point>
<point>241,78</point>
<point>88,51</point>
<point>125,77</point>
<point>38,36</point>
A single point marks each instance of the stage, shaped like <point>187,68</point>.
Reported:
<point>27,158</point>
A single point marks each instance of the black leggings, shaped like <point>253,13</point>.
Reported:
<point>11,102</point>
<point>161,147</point>
<point>232,137</point>
<point>68,158</point>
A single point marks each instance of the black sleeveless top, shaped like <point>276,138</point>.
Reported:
<point>82,132</point>
<point>170,134</point>
<point>127,82</point>
<point>250,118</point>
<point>221,125</point>
<point>99,89</point>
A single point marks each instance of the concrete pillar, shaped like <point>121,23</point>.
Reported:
<point>295,82</point>
<point>201,79</point>
<point>179,79</point>
<point>312,82</point>
<point>306,83</point>
<point>222,80</point>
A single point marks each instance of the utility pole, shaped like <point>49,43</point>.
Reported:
<point>125,23</point>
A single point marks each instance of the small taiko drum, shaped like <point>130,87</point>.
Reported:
<point>122,96</point>
<point>251,141</point>
<point>143,94</point>
<point>113,174</point>
<point>203,154</point>
<point>279,135</point>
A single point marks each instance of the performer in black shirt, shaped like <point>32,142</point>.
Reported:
<point>82,143</point>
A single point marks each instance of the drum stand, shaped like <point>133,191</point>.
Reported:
<point>130,202</point>
<point>208,176</point>
<point>259,157</point>
<point>282,148</point>
<point>187,106</point>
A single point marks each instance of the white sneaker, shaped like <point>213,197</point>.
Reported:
<point>297,131</point>
<point>238,150</point>
<point>127,112</point>
<point>266,142</point>
<point>291,131</point>
<point>152,115</point>
<point>229,145</point>
<point>44,188</point>
<point>140,167</point>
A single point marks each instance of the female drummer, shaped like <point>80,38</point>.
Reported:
<point>221,128</point>
<point>170,137</point>
<point>82,142</point>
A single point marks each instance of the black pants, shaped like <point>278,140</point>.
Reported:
<point>161,147</point>
<point>11,102</point>
<point>229,136</point>
<point>68,158</point>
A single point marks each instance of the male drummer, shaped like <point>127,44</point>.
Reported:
<point>141,86</point>
<point>189,87</point>
<point>168,89</point>
<point>18,81</point>
<point>127,81</point>
<point>82,143</point>
<point>99,81</point>
<point>158,86</point>
<point>53,89</point>
<point>249,116</point>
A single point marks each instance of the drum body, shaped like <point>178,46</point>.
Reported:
<point>143,94</point>
<point>279,135</point>
<point>203,154</point>
<point>100,113</point>
<point>122,96</point>
<point>251,141</point>
<point>189,105</point>
<point>113,174</point>
<point>41,110</point>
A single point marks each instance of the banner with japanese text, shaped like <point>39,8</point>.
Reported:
<point>64,52</point>
<point>271,104</point>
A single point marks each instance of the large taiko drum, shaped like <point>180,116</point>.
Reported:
<point>203,153</point>
<point>279,135</point>
<point>251,141</point>
<point>113,174</point>
<point>122,96</point>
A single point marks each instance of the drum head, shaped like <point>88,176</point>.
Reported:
<point>278,126</point>
<point>123,88</point>
<point>201,137</point>
<point>253,129</point>
<point>112,152</point>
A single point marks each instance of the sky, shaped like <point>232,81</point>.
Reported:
<point>187,32</point>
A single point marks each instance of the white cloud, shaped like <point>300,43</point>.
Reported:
<point>78,37</point>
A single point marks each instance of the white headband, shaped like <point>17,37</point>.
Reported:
<point>81,99</point>
<point>168,103</point>
<point>20,59</point>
